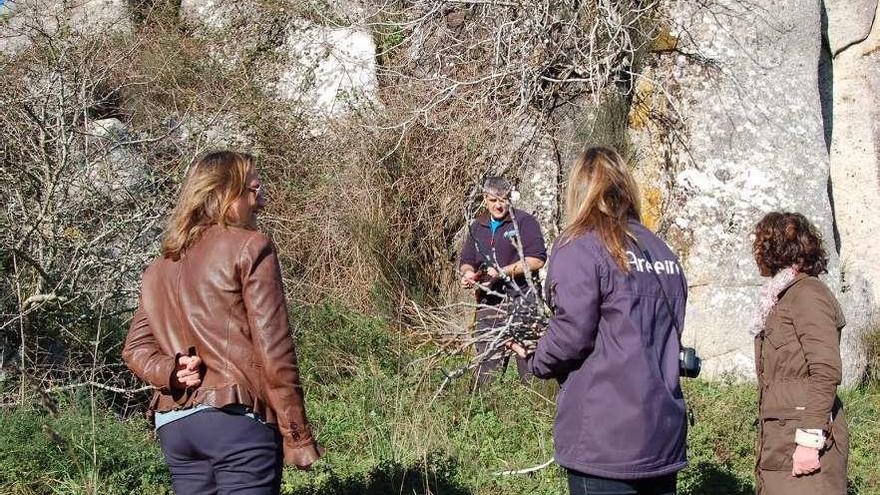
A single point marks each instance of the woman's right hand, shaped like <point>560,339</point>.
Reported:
<point>805,460</point>
<point>303,457</point>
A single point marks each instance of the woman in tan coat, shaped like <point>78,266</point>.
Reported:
<point>803,441</point>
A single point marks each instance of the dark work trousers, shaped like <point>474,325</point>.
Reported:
<point>218,452</point>
<point>585,484</point>
<point>486,319</point>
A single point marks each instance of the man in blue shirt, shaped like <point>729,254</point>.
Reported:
<point>490,257</point>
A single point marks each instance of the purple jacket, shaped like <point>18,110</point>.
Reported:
<point>482,247</point>
<point>613,347</point>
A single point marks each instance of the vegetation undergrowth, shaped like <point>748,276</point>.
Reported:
<point>369,393</point>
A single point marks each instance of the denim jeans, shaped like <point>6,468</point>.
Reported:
<point>585,484</point>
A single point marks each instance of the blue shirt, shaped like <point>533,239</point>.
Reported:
<point>494,224</point>
<point>163,418</point>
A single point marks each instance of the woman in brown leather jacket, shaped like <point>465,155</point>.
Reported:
<point>211,335</point>
<point>803,441</point>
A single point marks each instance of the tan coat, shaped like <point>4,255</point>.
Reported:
<point>798,364</point>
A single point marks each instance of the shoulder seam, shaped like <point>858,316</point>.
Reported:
<point>811,283</point>
<point>247,241</point>
<point>595,253</point>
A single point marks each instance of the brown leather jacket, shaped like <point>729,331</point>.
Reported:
<point>224,298</point>
<point>799,368</point>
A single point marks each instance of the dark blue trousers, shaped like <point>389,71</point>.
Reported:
<point>218,452</point>
<point>585,484</point>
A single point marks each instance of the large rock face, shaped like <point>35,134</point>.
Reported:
<point>855,143</point>
<point>20,20</point>
<point>325,71</point>
<point>742,112</point>
<point>848,22</point>
<point>331,70</point>
<point>855,155</point>
<point>744,90</point>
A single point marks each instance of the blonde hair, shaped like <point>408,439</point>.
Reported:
<point>602,196</point>
<point>214,183</point>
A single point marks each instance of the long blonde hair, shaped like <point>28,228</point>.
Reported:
<point>602,196</point>
<point>214,183</point>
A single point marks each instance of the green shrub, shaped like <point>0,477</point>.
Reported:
<point>722,439</point>
<point>333,342</point>
<point>862,406</point>
<point>42,454</point>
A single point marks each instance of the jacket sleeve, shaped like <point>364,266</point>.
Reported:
<point>469,251</point>
<point>576,300</point>
<point>266,308</point>
<point>533,239</point>
<point>815,324</point>
<point>143,356</point>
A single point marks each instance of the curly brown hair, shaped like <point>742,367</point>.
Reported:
<point>784,239</point>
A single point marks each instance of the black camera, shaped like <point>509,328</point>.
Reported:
<point>689,364</point>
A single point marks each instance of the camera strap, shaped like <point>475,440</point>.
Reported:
<point>669,307</point>
<point>689,413</point>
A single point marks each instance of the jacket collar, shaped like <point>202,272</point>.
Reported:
<point>797,278</point>
<point>841,318</point>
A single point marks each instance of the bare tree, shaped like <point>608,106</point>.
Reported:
<point>81,208</point>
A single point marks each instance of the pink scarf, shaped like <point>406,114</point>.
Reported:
<point>770,296</point>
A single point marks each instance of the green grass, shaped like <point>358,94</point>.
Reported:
<point>384,435</point>
<point>42,454</point>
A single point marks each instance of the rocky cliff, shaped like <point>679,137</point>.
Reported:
<point>728,108</point>
<point>776,109</point>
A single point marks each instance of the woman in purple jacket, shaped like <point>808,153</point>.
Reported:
<point>618,297</point>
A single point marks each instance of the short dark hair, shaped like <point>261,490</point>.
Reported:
<point>783,239</point>
<point>497,185</point>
